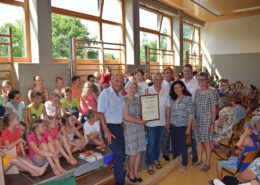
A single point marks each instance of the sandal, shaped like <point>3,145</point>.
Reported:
<point>157,165</point>
<point>150,170</point>
<point>205,169</point>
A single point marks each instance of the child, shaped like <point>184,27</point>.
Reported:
<point>76,87</point>
<point>69,130</point>
<point>51,134</point>
<point>88,99</point>
<point>71,105</point>
<point>59,82</point>
<point>92,129</point>
<point>94,87</point>
<point>16,105</point>
<point>41,152</point>
<point>106,77</point>
<point>54,107</point>
<point>7,86</point>
<point>98,82</point>
<point>38,86</point>
<point>36,109</point>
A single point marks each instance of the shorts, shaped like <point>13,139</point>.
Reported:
<point>230,163</point>
<point>36,163</point>
<point>98,138</point>
<point>6,160</point>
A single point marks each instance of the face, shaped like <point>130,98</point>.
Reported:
<point>178,89</point>
<point>55,100</point>
<point>7,88</point>
<point>37,100</point>
<point>92,80</point>
<point>17,99</point>
<point>15,121</point>
<point>53,123</point>
<point>157,81</point>
<point>59,84</point>
<point>71,122</point>
<point>187,72</point>
<point>168,75</point>
<point>38,80</point>
<point>67,95</point>
<point>94,118</point>
<point>131,89</point>
<point>138,77</point>
<point>117,82</point>
<point>77,82</point>
<point>87,89</point>
<point>41,128</point>
<point>202,81</point>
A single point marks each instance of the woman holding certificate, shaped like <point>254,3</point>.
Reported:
<point>134,133</point>
<point>179,120</point>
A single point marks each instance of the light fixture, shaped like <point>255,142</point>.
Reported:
<point>246,9</point>
<point>208,7</point>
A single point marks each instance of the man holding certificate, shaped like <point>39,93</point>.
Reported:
<point>156,128</point>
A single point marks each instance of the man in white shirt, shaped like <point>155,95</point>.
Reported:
<point>192,86</point>
<point>167,82</point>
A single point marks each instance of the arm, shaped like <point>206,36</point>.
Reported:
<point>25,118</point>
<point>44,111</point>
<point>64,133</point>
<point>129,118</point>
<point>220,121</point>
<point>29,95</point>
<point>9,145</point>
<point>46,94</point>
<point>86,101</point>
<point>246,176</point>
<point>214,115</point>
<point>103,124</point>
<point>168,110</point>
<point>94,134</point>
<point>39,151</point>
<point>80,113</point>
<point>244,140</point>
<point>77,133</point>
<point>29,115</point>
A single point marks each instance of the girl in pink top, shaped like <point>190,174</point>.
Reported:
<point>51,134</point>
<point>88,99</point>
<point>41,152</point>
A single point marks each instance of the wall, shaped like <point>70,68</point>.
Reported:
<point>231,49</point>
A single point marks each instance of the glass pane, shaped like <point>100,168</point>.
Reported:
<point>187,31</point>
<point>150,40</point>
<point>83,6</point>
<point>16,22</point>
<point>196,35</point>
<point>195,49</point>
<point>112,33</point>
<point>63,27</point>
<point>112,10</point>
<point>166,26</point>
<point>149,19</point>
<point>186,50</point>
<point>165,43</point>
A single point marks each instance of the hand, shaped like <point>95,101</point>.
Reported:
<point>124,127</point>
<point>193,127</point>
<point>167,127</point>
<point>23,142</point>
<point>108,136</point>
<point>142,122</point>
<point>212,128</point>
<point>254,182</point>
<point>2,154</point>
<point>248,131</point>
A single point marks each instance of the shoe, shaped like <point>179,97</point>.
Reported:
<point>205,169</point>
<point>166,157</point>
<point>194,159</point>
<point>157,164</point>
<point>196,164</point>
<point>211,182</point>
<point>150,170</point>
<point>132,180</point>
<point>183,169</point>
<point>139,179</point>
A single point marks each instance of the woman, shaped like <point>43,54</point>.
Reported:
<point>205,114</point>
<point>38,86</point>
<point>142,85</point>
<point>227,118</point>
<point>134,134</point>
<point>156,129</point>
<point>179,120</point>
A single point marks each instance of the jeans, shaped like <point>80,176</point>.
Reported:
<point>178,137</point>
<point>166,143</point>
<point>118,148</point>
<point>193,145</point>
<point>155,137</point>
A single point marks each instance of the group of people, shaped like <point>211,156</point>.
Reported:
<point>107,109</point>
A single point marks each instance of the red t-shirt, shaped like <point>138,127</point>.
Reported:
<point>7,135</point>
<point>105,78</point>
<point>53,135</point>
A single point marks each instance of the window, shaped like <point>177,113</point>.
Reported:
<point>19,22</point>
<point>112,10</point>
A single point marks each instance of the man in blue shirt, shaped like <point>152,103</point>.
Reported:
<point>110,108</point>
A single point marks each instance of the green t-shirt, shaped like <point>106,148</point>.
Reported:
<point>70,107</point>
<point>36,114</point>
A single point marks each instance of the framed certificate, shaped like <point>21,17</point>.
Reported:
<point>150,107</point>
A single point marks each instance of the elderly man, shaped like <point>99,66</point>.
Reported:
<point>192,86</point>
<point>156,129</point>
<point>167,82</point>
<point>110,108</point>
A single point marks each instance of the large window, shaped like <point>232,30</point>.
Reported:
<point>191,44</point>
<point>92,20</point>
<point>156,33</point>
<point>15,15</point>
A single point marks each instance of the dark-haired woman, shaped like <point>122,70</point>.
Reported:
<point>179,120</point>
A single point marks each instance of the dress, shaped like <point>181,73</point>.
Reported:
<point>203,114</point>
<point>134,134</point>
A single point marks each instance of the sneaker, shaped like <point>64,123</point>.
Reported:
<point>205,169</point>
<point>196,164</point>
<point>194,159</point>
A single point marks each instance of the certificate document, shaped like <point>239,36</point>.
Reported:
<point>150,107</point>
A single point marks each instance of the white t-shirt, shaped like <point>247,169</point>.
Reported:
<point>192,86</point>
<point>167,84</point>
<point>141,88</point>
<point>50,109</point>
<point>89,129</point>
<point>164,101</point>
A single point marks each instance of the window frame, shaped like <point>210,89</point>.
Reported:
<point>25,6</point>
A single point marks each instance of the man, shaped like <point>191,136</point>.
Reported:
<point>168,77</point>
<point>94,87</point>
<point>192,86</point>
<point>110,108</point>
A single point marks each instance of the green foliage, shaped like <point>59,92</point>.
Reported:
<point>17,39</point>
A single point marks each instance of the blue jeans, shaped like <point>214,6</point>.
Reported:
<point>118,148</point>
<point>155,137</point>
<point>193,145</point>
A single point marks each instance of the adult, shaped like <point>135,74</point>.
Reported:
<point>38,86</point>
<point>205,113</point>
<point>134,133</point>
<point>156,129</point>
<point>106,76</point>
<point>142,85</point>
<point>180,114</point>
<point>110,108</point>
<point>167,82</point>
<point>192,86</point>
